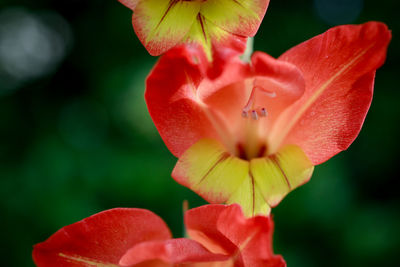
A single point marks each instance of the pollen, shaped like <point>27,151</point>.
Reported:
<point>251,110</point>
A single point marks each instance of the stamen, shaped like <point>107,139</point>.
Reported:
<point>250,105</point>
<point>250,102</point>
<point>254,115</point>
<point>263,112</point>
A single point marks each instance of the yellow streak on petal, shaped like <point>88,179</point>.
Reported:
<point>199,33</point>
<point>87,261</point>
<point>205,33</point>
<point>227,263</point>
<point>207,242</point>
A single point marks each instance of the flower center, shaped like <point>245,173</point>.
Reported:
<point>255,145</point>
<point>253,111</point>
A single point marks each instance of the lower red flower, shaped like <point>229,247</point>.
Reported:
<point>220,236</point>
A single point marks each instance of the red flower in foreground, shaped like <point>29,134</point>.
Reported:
<point>220,236</point>
<point>253,132</point>
<point>161,25</point>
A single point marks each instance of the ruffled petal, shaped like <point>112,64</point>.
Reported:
<point>201,226</point>
<point>174,251</point>
<point>248,241</point>
<point>252,237</point>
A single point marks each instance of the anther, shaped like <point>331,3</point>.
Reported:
<point>251,105</point>
<point>263,112</point>
<point>254,115</point>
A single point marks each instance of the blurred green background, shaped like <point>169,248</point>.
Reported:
<point>76,137</point>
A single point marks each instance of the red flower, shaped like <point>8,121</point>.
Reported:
<point>220,236</point>
<point>253,132</point>
<point>163,24</point>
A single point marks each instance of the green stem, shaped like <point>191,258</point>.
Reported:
<point>249,50</point>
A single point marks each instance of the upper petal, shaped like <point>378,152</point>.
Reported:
<point>241,17</point>
<point>214,39</point>
<point>338,67</point>
<point>189,99</point>
<point>278,84</point>
<point>176,104</point>
<point>100,239</point>
<point>161,25</point>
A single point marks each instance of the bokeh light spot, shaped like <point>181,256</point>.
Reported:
<point>32,45</point>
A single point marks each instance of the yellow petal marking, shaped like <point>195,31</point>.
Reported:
<point>248,195</point>
<point>205,33</point>
<point>219,177</point>
<point>232,15</point>
<point>165,23</point>
<point>86,261</point>
<point>277,175</point>
<point>212,171</point>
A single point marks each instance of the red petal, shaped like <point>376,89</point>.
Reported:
<point>281,79</point>
<point>174,251</point>
<point>129,3</point>
<point>100,239</point>
<point>176,104</point>
<point>247,240</point>
<point>201,225</point>
<point>338,67</point>
<point>252,236</point>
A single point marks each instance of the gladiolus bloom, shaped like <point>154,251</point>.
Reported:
<point>220,236</point>
<point>255,131</point>
<point>163,24</point>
